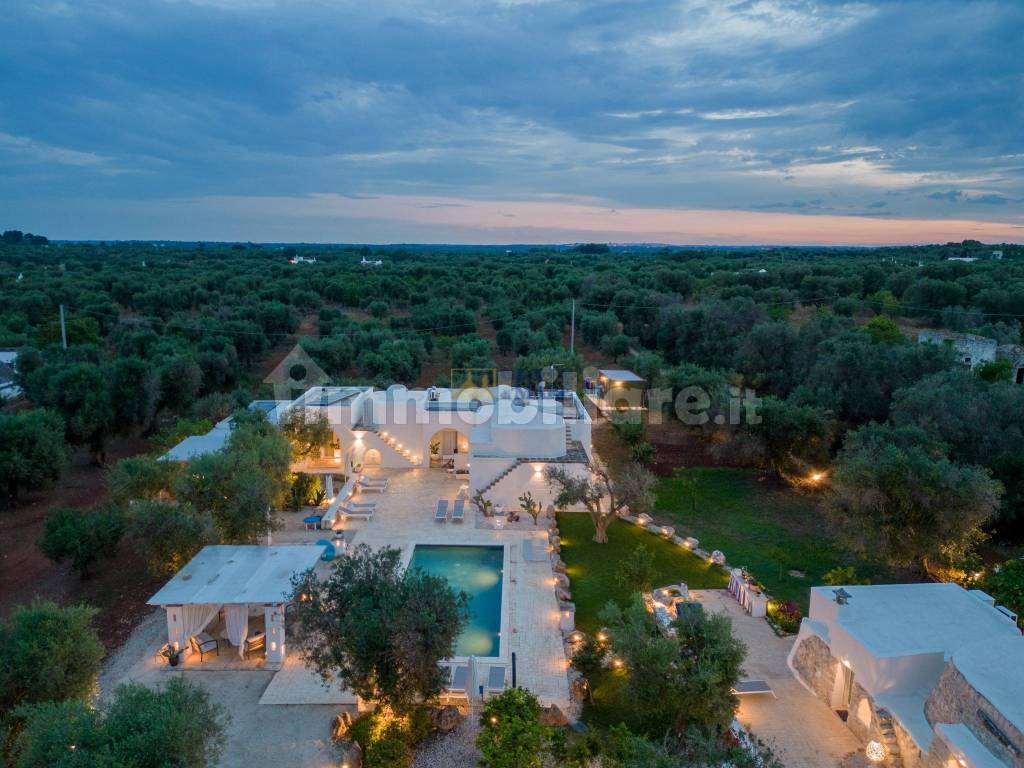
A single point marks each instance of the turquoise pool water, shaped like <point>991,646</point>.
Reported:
<point>477,572</point>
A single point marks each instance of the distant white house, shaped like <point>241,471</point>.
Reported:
<point>970,348</point>
<point>8,389</point>
<point>499,438</point>
<point>302,260</point>
<point>933,673</point>
<point>371,263</point>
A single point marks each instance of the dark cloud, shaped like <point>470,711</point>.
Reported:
<point>773,105</point>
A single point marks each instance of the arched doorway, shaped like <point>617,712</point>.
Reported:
<point>448,448</point>
<point>372,458</point>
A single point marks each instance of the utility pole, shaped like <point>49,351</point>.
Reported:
<point>63,329</point>
<point>572,329</point>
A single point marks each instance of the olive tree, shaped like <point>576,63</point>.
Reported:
<point>598,493</point>
<point>378,628</point>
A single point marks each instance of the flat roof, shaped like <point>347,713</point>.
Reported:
<point>200,445</point>
<point>324,396</point>
<point>614,374</point>
<point>904,619</point>
<point>225,574</point>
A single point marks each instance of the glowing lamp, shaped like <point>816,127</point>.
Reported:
<point>875,751</point>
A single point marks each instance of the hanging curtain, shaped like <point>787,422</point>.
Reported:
<point>448,444</point>
<point>194,619</point>
<point>237,619</point>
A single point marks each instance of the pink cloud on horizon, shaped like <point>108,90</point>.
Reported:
<point>565,220</point>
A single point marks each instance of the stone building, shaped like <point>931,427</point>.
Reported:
<point>1015,354</point>
<point>930,674</point>
<point>970,348</point>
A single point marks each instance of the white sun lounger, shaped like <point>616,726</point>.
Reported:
<point>441,513</point>
<point>374,480</point>
<point>363,510</point>
<point>752,688</point>
<point>496,679</point>
<point>460,677</point>
<point>534,552</point>
<point>459,511</point>
<point>373,487</point>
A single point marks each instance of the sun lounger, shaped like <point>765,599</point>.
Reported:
<point>367,480</point>
<point>441,513</point>
<point>460,677</point>
<point>496,679</point>
<point>373,485</point>
<point>362,510</point>
<point>753,688</point>
<point>459,511</point>
<point>534,551</point>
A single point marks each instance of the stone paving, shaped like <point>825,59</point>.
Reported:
<point>404,518</point>
<point>804,732</point>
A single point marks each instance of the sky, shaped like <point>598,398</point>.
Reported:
<point>514,121</point>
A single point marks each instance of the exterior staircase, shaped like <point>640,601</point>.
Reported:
<point>505,473</point>
<point>390,442</point>
<point>888,733</point>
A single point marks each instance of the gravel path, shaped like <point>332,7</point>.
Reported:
<point>454,750</point>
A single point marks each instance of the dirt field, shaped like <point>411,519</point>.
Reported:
<point>119,587</point>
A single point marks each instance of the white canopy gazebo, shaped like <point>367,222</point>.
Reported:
<point>235,578</point>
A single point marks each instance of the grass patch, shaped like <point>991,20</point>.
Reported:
<point>593,568</point>
<point>768,529</point>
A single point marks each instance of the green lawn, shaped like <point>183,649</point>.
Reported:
<point>756,524</point>
<point>592,568</point>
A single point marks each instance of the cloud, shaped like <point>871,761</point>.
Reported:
<point>26,149</point>
<point>756,105</point>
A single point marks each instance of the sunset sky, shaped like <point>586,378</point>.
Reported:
<point>464,121</point>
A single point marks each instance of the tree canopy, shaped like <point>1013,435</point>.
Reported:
<point>379,629</point>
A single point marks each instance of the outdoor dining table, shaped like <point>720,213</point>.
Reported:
<point>750,597</point>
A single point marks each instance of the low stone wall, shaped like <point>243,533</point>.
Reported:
<point>816,665</point>
<point>953,700</point>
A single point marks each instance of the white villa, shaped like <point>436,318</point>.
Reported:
<point>927,675</point>
<point>411,462</point>
<point>498,439</point>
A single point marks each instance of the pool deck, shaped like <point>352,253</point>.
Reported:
<point>404,518</point>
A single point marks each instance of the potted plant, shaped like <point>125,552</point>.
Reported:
<point>435,453</point>
<point>172,654</point>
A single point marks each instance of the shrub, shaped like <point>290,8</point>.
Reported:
<point>510,733</point>
<point>589,657</point>
<point>168,535</point>
<point>304,491</point>
<point>842,574</point>
<point>642,453</point>
<point>82,536</point>
<point>32,451</point>
<point>142,727</point>
<point>786,616</point>
<point>388,740</point>
<point>636,570</point>
<point>47,653</point>
<point>1006,585</point>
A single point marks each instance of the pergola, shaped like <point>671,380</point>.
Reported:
<point>235,578</point>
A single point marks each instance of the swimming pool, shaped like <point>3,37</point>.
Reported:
<point>477,572</point>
